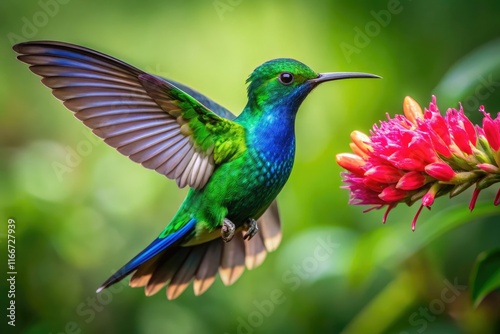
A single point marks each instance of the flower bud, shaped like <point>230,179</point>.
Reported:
<point>352,162</point>
<point>440,171</point>
<point>391,194</point>
<point>489,168</point>
<point>384,174</point>
<point>362,141</point>
<point>411,181</point>
<point>412,110</point>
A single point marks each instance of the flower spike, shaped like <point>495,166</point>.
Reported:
<point>421,156</point>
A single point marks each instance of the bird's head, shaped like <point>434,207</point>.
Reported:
<point>286,82</point>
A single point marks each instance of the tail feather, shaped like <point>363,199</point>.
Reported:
<point>255,252</point>
<point>142,275</point>
<point>156,247</point>
<point>205,275</point>
<point>271,229</point>
<point>177,266</point>
<point>232,262</point>
<point>167,266</point>
<point>186,272</point>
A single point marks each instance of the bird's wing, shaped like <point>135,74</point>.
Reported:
<point>143,116</point>
<point>207,102</point>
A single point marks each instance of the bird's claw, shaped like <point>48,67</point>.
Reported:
<point>227,230</point>
<point>251,228</point>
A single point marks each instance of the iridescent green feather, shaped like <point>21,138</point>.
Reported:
<point>208,131</point>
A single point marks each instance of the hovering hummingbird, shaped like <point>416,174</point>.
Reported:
<point>235,166</point>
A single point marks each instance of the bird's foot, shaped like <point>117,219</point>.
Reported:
<point>227,230</point>
<point>251,227</point>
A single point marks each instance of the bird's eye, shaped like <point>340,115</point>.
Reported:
<point>286,78</point>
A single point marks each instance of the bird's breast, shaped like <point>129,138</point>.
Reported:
<point>272,167</point>
<point>260,179</point>
<point>252,181</point>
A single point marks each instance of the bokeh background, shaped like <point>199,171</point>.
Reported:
<point>82,210</point>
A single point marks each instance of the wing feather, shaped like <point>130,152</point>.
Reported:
<point>143,116</point>
<point>116,111</point>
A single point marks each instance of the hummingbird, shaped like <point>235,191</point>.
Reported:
<point>234,166</point>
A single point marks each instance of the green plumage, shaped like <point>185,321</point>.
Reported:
<point>235,167</point>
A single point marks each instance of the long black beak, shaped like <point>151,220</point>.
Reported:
<point>323,77</point>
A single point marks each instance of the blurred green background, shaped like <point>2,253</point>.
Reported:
<point>74,228</point>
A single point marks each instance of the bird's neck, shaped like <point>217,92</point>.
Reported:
<point>271,132</point>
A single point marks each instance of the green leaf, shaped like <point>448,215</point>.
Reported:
<point>466,75</point>
<point>485,277</point>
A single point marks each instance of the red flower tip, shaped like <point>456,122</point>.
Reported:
<point>497,198</point>
<point>440,171</point>
<point>389,208</point>
<point>414,221</point>
<point>473,200</point>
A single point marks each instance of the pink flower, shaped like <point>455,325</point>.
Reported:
<point>422,155</point>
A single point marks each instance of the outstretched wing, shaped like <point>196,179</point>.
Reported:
<point>144,117</point>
